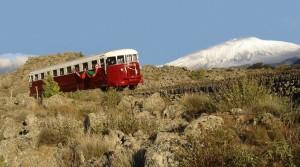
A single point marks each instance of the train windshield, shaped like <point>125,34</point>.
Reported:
<point>111,60</point>
<point>120,59</point>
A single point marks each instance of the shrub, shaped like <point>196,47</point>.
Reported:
<point>281,153</point>
<point>126,122</point>
<point>198,74</point>
<point>260,66</point>
<point>2,162</point>
<point>50,136</point>
<point>240,94</point>
<point>217,148</point>
<point>111,98</point>
<point>92,146</point>
<point>50,87</point>
<point>197,104</point>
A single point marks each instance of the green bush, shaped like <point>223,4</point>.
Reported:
<point>50,87</point>
<point>280,152</point>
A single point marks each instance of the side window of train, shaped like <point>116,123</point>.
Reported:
<point>129,58</point>
<point>85,66</point>
<point>111,60</point>
<point>31,77</point>
<point>36,77</point>
<point>61,71</point>
<point>42,75</point>
<point>54,73</point>
<point>69,69</point>
<point>134,57</point>
<point>102,63</point>
<point>94,62</point>
<point>120,59</point>
<point>77,68</point>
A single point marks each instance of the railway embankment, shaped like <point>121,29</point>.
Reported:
<point>177,118</point>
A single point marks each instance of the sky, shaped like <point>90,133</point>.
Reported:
<point>161,30</point>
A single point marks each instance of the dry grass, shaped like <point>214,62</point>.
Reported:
<point>93,146</point>
<point>240,94</point>
<point>51,136</point>
<point>196,104</point>
<point>126,122</point>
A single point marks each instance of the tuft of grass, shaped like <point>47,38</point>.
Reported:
<point>92,146</point>
<point>198,74</point>
<point>196,104</point>
<point>240,94</point>
<point>111,98</point>
<point>126,122</point>
<point>217,148</point>
<point>50,136</point>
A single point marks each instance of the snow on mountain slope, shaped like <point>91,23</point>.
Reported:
<point>239,52</point>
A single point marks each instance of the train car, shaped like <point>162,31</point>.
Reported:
<point>118,69</point>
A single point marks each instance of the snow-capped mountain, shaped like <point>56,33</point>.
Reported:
<point>238,52</point>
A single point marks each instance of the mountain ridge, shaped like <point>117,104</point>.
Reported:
<point>237,52</point>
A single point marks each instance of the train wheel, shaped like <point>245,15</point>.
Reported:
<point>132,87</point>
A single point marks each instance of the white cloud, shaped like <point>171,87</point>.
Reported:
<point>11,61</point>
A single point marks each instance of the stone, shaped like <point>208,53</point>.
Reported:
<point>162,152</point>
<point>173,111</point>
<point>204,123</point>
<point>94,121</point>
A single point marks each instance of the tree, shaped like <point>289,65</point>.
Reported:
<point>50,87</point>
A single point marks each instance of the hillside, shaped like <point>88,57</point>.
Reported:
<point>18,80</point>
<point>238,52</point>
<point>241,125</point>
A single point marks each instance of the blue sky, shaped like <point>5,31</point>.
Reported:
<point>161,30</point>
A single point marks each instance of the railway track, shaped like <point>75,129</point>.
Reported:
<point>286,83</point>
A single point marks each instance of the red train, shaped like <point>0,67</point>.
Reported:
<point>118,68</point>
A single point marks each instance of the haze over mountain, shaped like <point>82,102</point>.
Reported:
<point>238,52</point>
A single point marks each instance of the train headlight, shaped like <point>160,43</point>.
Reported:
<point>122,69</point>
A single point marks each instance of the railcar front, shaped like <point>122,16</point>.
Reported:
<point>123,69</point>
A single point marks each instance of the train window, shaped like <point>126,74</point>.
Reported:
<point>54,73</point>
<point>42,75</point>
<point>69,70</point>
<point>94,62</point>
<point>120,59</point>
<point>31,77</point>
<point>102,63</point>
<point>36,77</point>
<point>129,58</point>
<point>134,57</point>
<point>111,60</point>
<point>62,71</point>
<point>85,66</point>
<point>48,73</point>
<point>77,68</point>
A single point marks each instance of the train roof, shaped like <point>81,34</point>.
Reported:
<point>86,59</point>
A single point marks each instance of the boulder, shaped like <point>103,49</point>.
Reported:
<point>94,122</point>
<point>162,152</point>
<point>204,123</point>
<point>173,111</point>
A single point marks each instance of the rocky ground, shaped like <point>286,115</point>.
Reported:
<point>244,126</point>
